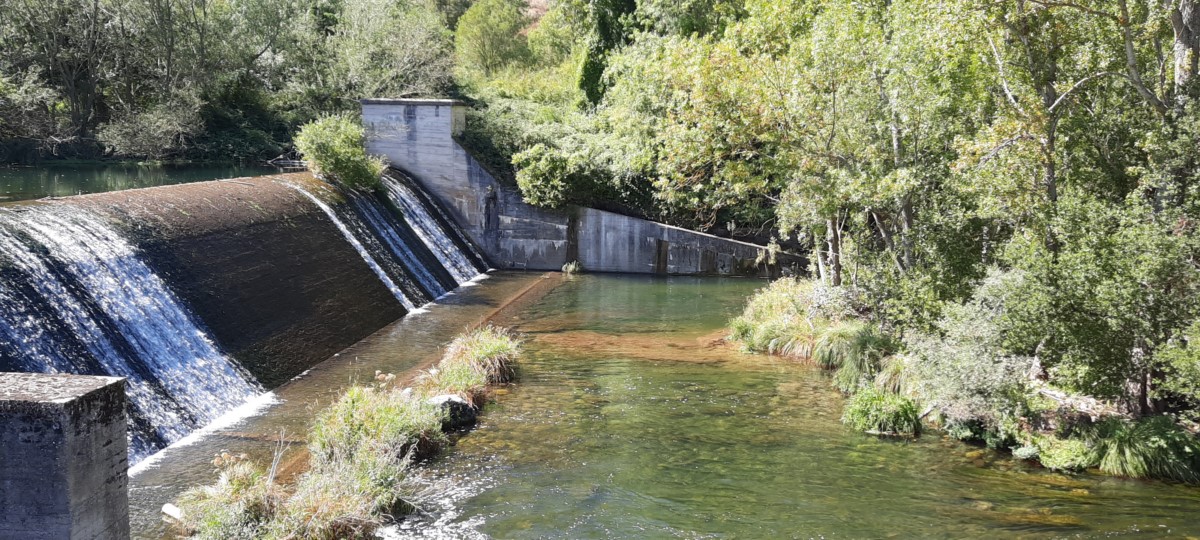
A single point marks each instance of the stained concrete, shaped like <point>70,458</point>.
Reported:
<point>418,137</point>
<point>63,457</point>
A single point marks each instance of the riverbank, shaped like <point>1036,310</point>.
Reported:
<point>956,381</point>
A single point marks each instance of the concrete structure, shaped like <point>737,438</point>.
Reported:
<point>418,137</point>
<point>274,282</point>
<point>63,457</point>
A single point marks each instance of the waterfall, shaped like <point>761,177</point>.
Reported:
<point>437,235</point>
<point>76,298</point>
<point>356,238</point>
<point>418,257</point>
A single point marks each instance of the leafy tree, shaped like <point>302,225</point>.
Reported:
<point>488,36</point>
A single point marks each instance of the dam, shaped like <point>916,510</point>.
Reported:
<point>206,296</point>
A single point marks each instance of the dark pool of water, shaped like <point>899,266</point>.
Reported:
<point>61,180</point>
<point>631,421</point>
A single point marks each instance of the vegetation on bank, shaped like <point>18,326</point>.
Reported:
<point>965,377</point>
<point>335,147</point>
<point>361,449</point>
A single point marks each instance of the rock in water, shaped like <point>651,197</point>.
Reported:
<point>458,413</point>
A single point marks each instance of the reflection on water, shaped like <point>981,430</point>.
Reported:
<point>630,422</point>
<point>61,180</point>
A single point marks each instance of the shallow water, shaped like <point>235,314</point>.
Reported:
<point>61,180</point>
<point>630,421</point>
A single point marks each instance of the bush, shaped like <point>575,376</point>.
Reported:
<point>788,316</point>
<point>472,362</point>
<point>876,412</point>
<point>157,132</point>
<point>335,148</point>
<point>1153,447</point>
<point>346,498</point>
<point>489,37</point>
<point>238,506</point>
<point>1064,454</point>
<point>385,419</point>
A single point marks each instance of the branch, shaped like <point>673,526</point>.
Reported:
<point>1079,84</point>
<point>1003,77</point>
<point>1000,147</point>
<point>1048,4</point>
<point>1135,76</point>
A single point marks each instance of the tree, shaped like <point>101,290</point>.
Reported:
<point>488,36</point>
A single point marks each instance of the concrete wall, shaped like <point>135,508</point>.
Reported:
<point>264,269</point>
<point>63,457</point>
<point>418,137</point>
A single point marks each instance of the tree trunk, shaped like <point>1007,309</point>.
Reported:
<point>833,237</point>
<point>1185,22</point>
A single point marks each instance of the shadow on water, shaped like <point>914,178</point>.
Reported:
<point>633,420</point>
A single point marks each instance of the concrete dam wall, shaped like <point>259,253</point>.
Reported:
<point>259,264</point>
<point>203,295</point>
<point>418,137</point>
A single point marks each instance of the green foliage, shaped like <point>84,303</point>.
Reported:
<point>334,147</point>
<point>472,362</point>
<point>379,418</point>
<point>488,36</point>
<point>878,412</point>
<point>1153,447</point>
<point>238,507</point>
<point>143,134</point>
<point>1065,454</point>
<point>161,78</point>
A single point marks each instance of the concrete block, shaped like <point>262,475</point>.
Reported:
<point>64,457</point>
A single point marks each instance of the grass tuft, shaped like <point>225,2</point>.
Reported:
<point>877,412</point>
<point>1153,447</point>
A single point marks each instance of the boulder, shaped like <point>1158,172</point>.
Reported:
<point>457,412</point>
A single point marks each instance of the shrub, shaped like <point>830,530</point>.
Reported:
<point>387,419</point>
<point>238,506</point>
<point>472,362</point>
<point>334,148</point>
<point>489,37</point>
<point>788,316</point>
<point>345,498</point>
<point>1064,454</point>
<point>1153,447</point>
<point>876,412</point>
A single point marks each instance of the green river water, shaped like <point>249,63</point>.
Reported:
<point>64,179</point>
<point>631,420</point>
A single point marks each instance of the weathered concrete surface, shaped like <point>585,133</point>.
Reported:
<point>418,137</point>
<point>263,268</point>
<point>63,457</point>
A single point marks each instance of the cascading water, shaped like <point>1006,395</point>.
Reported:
<point>356,238</point>
<point>417,257</point>
<point>418,213</point>
<point>78,299</point>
